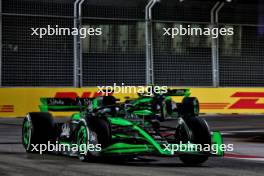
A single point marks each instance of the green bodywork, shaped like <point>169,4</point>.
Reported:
<point>76,116</point>
<point>145,102</point>
<point>151,146</point>
<point>147,145</point>
<point>44,107</point>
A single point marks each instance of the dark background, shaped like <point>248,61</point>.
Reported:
<point>119,55</point>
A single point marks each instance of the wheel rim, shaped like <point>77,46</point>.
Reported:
<point>164,109</point>
<point>84,138</point>
<point>196,107</point>
<point>93,140</point>
<point>26,133</point>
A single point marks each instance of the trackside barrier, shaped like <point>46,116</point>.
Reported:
<point>16,102</point>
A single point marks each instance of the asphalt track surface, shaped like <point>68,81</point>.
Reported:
<point>245,132</point>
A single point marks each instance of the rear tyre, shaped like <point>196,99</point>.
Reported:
<point>94,133</point>
<point>200,134</point>
<point>38,128</point>
<point>190,106</point>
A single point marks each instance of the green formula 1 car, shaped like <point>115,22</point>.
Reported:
<point>163,107</point>
<point>106,128</point>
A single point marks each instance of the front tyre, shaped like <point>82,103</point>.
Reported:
<point>92,136</point>
<point>200,134</point>
<point>38,128</point>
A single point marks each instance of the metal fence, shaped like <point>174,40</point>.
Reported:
<point>119,54</point>
<point>29,60</point>
<point>182,60</point>
<point>241,60</point>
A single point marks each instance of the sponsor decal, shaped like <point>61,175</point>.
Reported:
<point>248,100</point>
<point>74,95</point>
<point>19,101</point>
<point>6,108</point>
<point>213,105</point>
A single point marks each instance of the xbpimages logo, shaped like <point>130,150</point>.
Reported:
<point>63,147</point>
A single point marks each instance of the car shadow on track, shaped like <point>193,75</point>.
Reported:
<point>144,162</point>
<point>117,161</point>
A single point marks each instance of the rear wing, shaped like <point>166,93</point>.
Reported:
<point>63,104</point>
<point>178,92</point>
